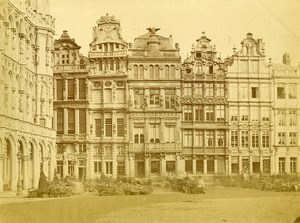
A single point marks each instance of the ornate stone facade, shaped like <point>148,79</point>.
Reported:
<point>205,108</point>
<point>26,83</point>
<point>250,100</point>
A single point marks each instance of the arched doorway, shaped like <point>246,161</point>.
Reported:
<point>7,166</point>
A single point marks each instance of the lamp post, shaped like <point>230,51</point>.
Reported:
<point>19,186</point>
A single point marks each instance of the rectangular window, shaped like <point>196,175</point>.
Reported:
<point>82,148</point>
<point>82,121</point>
<point>154,98</point>
<point>280,93</point>
<point>254,114</point>
<point>198,89</point>
<point>220,90</point>
<point>187,137</point>
<point>70,89</point>
<point>234,138</point>
<point>293,164</point>
<point>243,92</point>
<point>121,169</point>
<point>154,133</point>
<point>220,116</point>
<point>120,127</point>
<point>254,92</point>
<point>188,112</point>
<point>209,90</point>
<point>97,167</point>
<point>281,138</point>
<point>170,99</point>
<point>292,91</point>
<point>108,127</point>
<point>42,122</point>
<point>169,134</point>
<point>70,168</point>
<point>187,90</point>
<point>265,139</point>
<point>255,139</point>
<point>244,114</point>
<point>281,165</point>
<point>138,135</point>
<point>244,138</point>
<point>281,118</point>
<point>71,121</point>
<point>220,137</point>
<point>109,167</point>
<point>293,138</point>
<point>209,136</point>
<point>189,166</point>
<point>82,92</point>
<point>98,127</point>
<point>199,114</point>
<point>60,121</point>
<point>138,98</point>
<point>233,114</point>
<point>59,90</point>
<point>292,118</point>
<point>209,110</point>
<point>198,140</point>
<point>60,165</point>
<point>265,116</point>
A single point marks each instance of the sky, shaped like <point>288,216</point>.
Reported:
<point>225,22</point>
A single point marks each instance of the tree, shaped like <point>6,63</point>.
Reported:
<point>43,185</point>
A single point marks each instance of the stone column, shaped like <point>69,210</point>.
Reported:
<point>287,163</point>
<point>131,165</point>
<point>228,164</point>
<point>240,164</point>
<point>250,165</point>
<point>205,164</point>
<point>163,165</point>
<point>1,172</point>
<point>261,163</point>
<point>65,121</point>
<point>76,170</point>
<point>194,165</point>
<point>147,166</point>
<point>114,161</point>
<point>89,162</point>
<point>76,121</point>
<point>216,164</point>
<point>146,129</point>
<point>25,171</point>
<point>127,161</point>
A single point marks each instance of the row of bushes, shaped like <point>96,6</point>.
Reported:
<point>55,188</point>
<point>281,182</point>
<point>107,186</point>
<point>186,185</point>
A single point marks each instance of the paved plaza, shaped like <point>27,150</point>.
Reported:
<point>219,204</point>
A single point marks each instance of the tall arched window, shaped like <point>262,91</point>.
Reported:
<point>151,72</point>
<point>135,72</point>
<point>166,70</point>
<point>156,72</point>
<point>141,72</point>
<point>198,68</point>
<point>172,72</point>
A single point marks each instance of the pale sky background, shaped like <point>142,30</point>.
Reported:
<point>225,22</point>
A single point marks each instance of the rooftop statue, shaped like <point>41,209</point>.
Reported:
<point>153,30</point>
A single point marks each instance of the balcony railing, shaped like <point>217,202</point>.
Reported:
<point>120,53</point>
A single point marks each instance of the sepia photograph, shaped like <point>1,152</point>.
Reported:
<point>149,111</point>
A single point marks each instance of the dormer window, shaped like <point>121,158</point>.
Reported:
<point>65,57</point>
<point>198,55</point>
<point>117,46</point>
